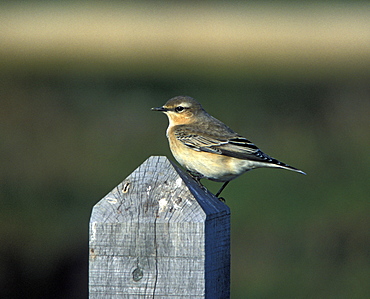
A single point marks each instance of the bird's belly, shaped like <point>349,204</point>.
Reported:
<point>211,166</point>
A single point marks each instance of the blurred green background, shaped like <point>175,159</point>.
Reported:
<point>77,83</point>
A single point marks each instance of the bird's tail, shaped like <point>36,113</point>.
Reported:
<point>282,165</point>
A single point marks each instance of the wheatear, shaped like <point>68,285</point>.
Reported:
<point>208,148</point>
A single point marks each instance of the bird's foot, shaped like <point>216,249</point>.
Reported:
<point>221,199</point>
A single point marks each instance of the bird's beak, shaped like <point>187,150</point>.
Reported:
<point>163,109</point>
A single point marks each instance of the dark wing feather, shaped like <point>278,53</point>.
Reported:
<point>241,148</point>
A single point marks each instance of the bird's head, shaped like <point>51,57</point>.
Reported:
<point>181,110</point>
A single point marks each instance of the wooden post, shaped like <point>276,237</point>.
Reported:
<point>159,235</point>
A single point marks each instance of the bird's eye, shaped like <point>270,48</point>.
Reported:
<point>179,109</point>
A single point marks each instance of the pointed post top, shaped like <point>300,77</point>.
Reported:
<point>158,189</point>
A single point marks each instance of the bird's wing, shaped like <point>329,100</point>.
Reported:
<point>226,142</point>
<point>233,146</point>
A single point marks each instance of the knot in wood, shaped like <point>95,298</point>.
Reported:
<point>137,274</point>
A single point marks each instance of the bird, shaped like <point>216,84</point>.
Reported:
<point>207,148</point>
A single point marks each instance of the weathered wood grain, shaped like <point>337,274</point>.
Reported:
<point>159,235</point>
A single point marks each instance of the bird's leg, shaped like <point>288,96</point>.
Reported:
<point>197,179</point>
<point>222,188</point>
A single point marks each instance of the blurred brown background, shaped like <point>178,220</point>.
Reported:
<point>77,83</point>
